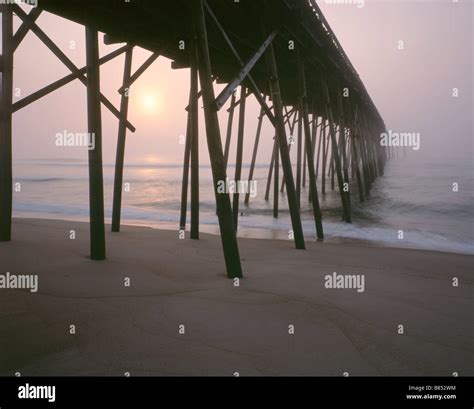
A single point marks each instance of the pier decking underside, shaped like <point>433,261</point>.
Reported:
<point>160,25</point>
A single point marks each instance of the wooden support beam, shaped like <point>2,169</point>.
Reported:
<point>94,120</point>
<point>381,152</point>
<point>335,153</point>
<point>314,132</point>
<point>35,96</point>
<point>6,96</point>
<point>318,155</point>
<point>120,154</point>
<point>330,153</point>
<point>331,173</point>
<point>292,127</point>
<point>237,102</point>
<point>224,210</point>
<point>272,160</point>
<point>304,163</point>
<point>228,137</point>
<point>350,156</point>
<point>276,175</point>
<point>374,144</point>
<point>23,29</point>
<point>365,162</point>
<point>354,153</point>
<point>270,172</point>
<point>140,70</point>
<point>298,154</point>
<point>194,130</point>
<point>314,128</point>
<point>291,123</point>
<point>113,39</point>
<point>357,170</point>
<point>325,155</point>
<point>368,145</point>
<point>238,159</point>
<point>309,151</point>
<point>365,165</point>
<point>179,65</point>
<point>252,85</point>
<point>342,146</point>
<point>360,142</point>
<point>283,148</point>
<point>368,141</point>
<point>185,181</point>
<point>243,73</point>
<point>254,153</point>
<point>65,60</point>
<point>345,168</point>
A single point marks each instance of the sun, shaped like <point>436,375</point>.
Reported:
<point>150,103</point>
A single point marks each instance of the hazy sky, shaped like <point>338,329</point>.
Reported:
<point>412,88</point>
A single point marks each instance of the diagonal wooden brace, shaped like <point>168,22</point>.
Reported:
<point>243,73</point>
<point>65,60</point>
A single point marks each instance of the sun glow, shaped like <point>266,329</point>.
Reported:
<point>148,102</point>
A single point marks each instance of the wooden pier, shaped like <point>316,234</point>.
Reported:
<point>282,53</point>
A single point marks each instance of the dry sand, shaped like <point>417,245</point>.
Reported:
<point>229,329</point>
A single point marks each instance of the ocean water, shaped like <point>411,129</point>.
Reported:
<point>414,195</point>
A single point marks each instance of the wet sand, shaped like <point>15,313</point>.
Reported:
<point>227,328</point>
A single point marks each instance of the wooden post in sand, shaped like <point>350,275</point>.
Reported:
<point>303,182</point>
<point>309,151</point>
<point>276,175</point>
<point>224,210</point>
<point>122,133</point>
<point>283,149</point>
<point>335,153</point>
<point>342,147</point>
<point>298,154</point>
<point>325,155</point>
<point>6,181</point>
<point>187,155</point>
<point>194,142</point>
<point>238,159</point>
<point>94,119</point>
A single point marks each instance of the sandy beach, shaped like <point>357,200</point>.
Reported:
<point>180,315</point>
